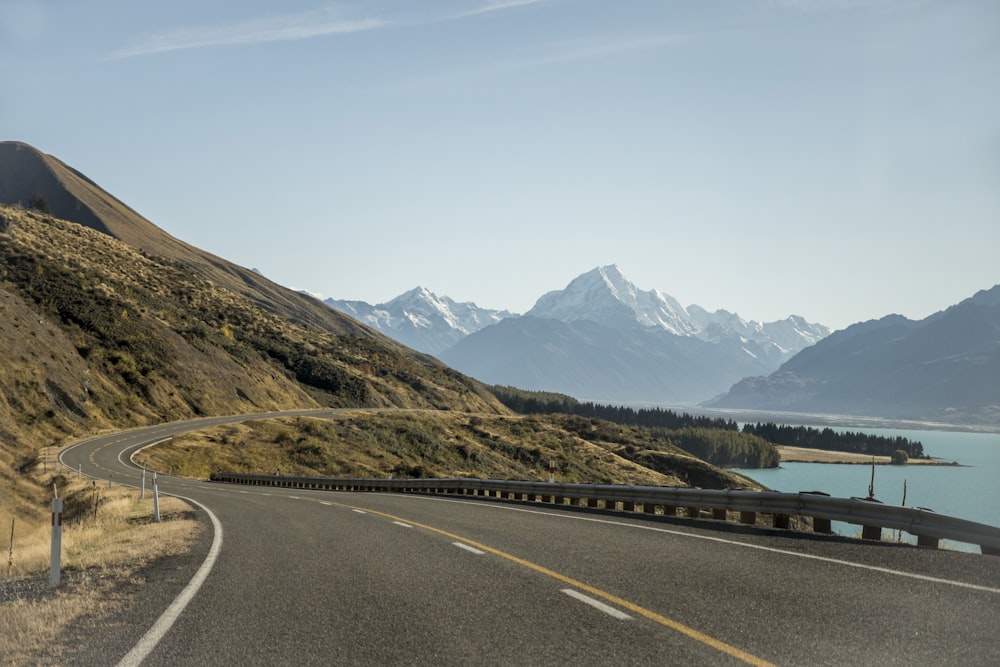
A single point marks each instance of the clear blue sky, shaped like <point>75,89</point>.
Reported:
<point>837,159</point>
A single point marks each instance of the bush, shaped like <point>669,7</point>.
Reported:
<point>900,457</point>
<point>39,203</point>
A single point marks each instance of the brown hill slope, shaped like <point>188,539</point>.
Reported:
<point>95,334</point>
<point>26,172</point>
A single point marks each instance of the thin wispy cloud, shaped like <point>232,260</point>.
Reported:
<point>286,28</point>
<point>554,54</point>
<point>496,6</point>
<point>570,52</point>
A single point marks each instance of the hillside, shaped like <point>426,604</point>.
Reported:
<point>945,368</point>
<point>445,444</point>
<point>98,333</point>
<point>26,172</point>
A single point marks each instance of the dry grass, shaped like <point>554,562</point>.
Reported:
<point>440,444</point>
<point>807,455</point>
<point>101,562</point>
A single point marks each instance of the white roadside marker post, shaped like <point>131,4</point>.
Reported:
<point>552,472</point>
<point>55,573</point>
<point>156,499</point>
<point>142,492</point>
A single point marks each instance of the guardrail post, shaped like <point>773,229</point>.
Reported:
<point>871,533</point>
<point>928,541</point>
<point>749,518</point>
<point>694,512</point>
<point>819,524</point>
<point>628,505</point>
<point>782,521</point>
<point>720,514</point>
<point>591,502</point>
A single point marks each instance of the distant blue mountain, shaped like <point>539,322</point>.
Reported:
<point>945,367</point>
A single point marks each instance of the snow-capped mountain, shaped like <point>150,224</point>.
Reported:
<point>605,296</point>
<point>422,320</point>
<point>601,338</point>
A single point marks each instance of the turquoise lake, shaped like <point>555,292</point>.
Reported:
<point>970,490</point>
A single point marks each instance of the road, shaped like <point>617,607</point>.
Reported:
<point>309,577</point>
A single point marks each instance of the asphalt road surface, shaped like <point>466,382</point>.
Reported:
<point>336,578</point>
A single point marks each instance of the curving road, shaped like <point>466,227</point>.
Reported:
<point>302,577</point>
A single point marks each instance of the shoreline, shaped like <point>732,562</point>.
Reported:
<point>807,455</point>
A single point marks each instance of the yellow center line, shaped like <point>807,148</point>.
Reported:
<point>614,599</point>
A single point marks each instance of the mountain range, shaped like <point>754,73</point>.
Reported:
<point>422,320</point>
<point>945,368</point>
<point>101,335</point>
<point>601,338</point>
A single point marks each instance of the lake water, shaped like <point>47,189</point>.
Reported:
<point>967,491</point>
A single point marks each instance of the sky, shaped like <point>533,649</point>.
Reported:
<point>835,159</point>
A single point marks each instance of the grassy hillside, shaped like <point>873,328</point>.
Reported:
<point>26,172</point>
<point>95,334</point>
<point>442,444</point>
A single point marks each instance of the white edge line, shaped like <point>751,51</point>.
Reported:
<point>474,550</point>
<point>166,620</point>
<point>596,604</point>
<point>360,511</point>
<point>404,525</point>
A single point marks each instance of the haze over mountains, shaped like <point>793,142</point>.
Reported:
<point>422,320</point>
<point>945,368</point>
<point>603,339</point>
<point>600,338</point>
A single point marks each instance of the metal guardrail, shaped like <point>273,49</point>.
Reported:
<point>928,526</point>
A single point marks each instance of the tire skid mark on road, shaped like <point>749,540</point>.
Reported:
<point>677,626</point>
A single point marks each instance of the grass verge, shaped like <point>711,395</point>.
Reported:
<point>109,536</point>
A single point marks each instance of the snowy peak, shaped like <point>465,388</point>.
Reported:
<point>421,319</point>
<point>604,295</point>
